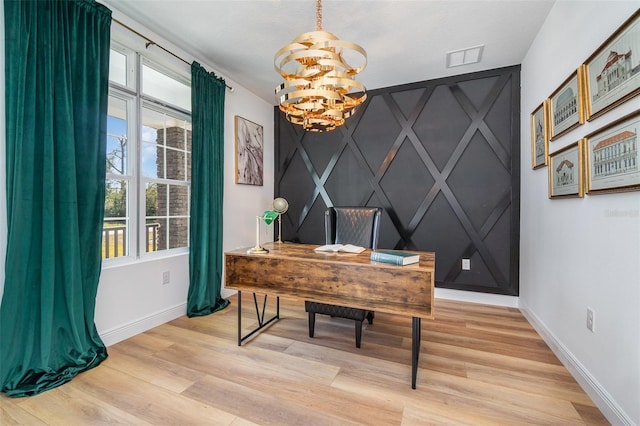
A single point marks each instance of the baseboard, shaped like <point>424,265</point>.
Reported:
<point>605,402</point>
<point>477,297</point>
<point>118,334</point>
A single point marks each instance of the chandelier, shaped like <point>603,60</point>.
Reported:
<point>319,91</point>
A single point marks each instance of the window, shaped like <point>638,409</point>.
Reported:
<point>148,159</point>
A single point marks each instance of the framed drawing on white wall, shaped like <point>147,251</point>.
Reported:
<point>539,136</point>
<point>249,152</point>
<point>612,72</point>
<point>566,105</point>
<point>566,171</point>
<point>613,159</point>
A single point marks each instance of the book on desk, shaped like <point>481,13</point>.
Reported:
<point>345,248</point>
<point>395,257</point>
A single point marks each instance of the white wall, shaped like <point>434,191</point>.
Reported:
<point>581,252</point>
<point>131,298</point>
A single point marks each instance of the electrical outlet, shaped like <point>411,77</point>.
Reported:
<point>590,320</point>
<point>166,277</point>
<point>466,264</point>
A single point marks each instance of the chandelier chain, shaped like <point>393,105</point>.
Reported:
<point>318,15</point>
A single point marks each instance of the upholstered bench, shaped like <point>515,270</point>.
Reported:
<point>358,315</point>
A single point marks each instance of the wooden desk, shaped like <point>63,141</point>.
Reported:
<point>297,271</point>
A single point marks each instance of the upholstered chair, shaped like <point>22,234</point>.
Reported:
<point>359,226</point>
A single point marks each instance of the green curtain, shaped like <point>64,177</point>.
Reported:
<point>207,184</point>
<point>57,71</point>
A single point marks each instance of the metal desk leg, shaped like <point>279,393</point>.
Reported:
<point>239,318</point>
<point>415,350</point>
<point>260,314</point>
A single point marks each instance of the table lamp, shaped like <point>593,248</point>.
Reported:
<point>268,216</point>
<point>281,206</point>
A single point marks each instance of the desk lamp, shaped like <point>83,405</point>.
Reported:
<point>281,206</point>
<point>268,217</point>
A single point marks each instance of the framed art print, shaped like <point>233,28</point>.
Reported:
<point>249,152</point>
<point>539,139</point>
<point>566,171</point>
<point>613,162</point>
<point>566,105</point>
<point>612,73</point>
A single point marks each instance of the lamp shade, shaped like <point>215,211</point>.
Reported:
<point>269,216</point>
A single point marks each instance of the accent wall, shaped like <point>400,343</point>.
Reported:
<point>441,157</point>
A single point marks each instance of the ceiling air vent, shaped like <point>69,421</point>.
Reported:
<point>470,55</point>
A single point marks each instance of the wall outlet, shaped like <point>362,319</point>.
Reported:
<point>166,277</point>
<point>466,264</point>
<point>590,320</point>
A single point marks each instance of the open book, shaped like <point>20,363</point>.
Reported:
<point>347,248</point>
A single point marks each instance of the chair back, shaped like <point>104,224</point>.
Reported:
<point>359,226</point>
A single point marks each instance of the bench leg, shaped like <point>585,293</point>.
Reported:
<point>312,323</point>
<point>370,316</point>
<point>358,333</point>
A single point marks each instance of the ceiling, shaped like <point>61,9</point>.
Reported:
<point>406,41</point>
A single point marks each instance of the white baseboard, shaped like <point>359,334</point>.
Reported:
<point>476,297</point>
<point>605,402</point>
<point>118,334</point>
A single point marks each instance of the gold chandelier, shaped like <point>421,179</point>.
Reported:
<point>319,91</point>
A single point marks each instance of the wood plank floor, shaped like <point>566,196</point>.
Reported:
<point>479,365</point>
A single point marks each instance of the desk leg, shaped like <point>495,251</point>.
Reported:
<point>239,318</point>
<point>415,350</point>
<point>260,314</point>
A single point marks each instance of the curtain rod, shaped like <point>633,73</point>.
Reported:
<point>151,42</point>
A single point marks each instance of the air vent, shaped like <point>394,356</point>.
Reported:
<point>470,55</point>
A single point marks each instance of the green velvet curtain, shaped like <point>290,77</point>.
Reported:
<point>57,70</point>
<point>207,184</point>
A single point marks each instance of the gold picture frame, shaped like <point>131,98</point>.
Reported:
<point>566,105</point>
<point>613,158</point>
<point>539,136</point>
<point>249,151</point>
<point>566,171</point>
<point>612,72</point>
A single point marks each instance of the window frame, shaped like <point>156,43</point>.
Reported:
<point>136,219</point>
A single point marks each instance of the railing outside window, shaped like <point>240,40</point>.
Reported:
<point>114,240</point>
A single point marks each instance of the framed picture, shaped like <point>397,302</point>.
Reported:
<point>566,105</point>
<point>566,171</point>
<point>249,152</point>
<point>539,137</point>
<point>612,73</point>
<point>613,159</point>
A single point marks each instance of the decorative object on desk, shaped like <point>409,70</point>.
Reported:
<point>319,91</point>
<point>395,257</point>
<point>566,172</point>
<point>281,206</point>
<point>268,216</point>
<point>249,151</point>
<point>613,158</point>
<point>612,74</point>
<point>345,248</point>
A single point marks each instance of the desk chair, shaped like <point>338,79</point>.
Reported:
<point>359,226</point>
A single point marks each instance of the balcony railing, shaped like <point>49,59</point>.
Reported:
<point>114,240</point>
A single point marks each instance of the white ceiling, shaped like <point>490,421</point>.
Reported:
<point>406,41</point>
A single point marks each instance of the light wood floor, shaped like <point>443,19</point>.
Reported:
<point>479,365</point>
